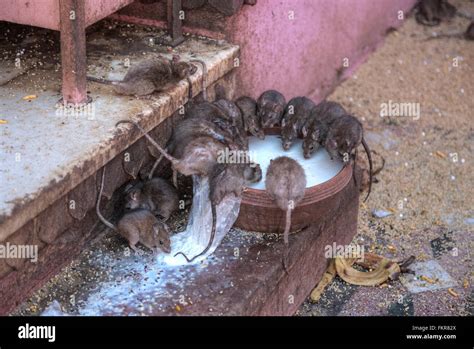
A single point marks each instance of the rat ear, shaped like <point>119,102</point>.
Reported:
<point>283,122</point>
<point>156,228</point>
<point>315,135</point>
<point>134,194</point>
<point>176,58</point>
<point>304,131</point>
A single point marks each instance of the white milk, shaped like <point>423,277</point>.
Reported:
<point>319,168</point>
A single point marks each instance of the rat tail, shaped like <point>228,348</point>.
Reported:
<point>285,239</point>
<point>102,81</point>
<point>211,239</point>
<point>155,165</point>
<point>97,206</point>
<point>152,141</point>
<point>204,77</point>
<point>367,150</point>
<point>287,226</point>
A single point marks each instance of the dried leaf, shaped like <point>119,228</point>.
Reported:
<point>2,122</point>
<point>440,154</point>
<point>30,97</point>
<point>392,248</point>
<point>452,292</point>
<point>427,279</point>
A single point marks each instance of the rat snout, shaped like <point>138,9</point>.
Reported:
<point>286,145</point>
<point>166,249</point>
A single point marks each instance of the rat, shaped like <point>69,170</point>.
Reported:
<point>183,70</point>
<point>155,195</point>
<point>316,128</point>
<point>296,114</point>
<point>468,34</point>
<point>198,156</point>
<point>142,78</point>
<point>235,115</point>
<point>219,116</point>
<point>285,182</point>
<point>139,226</point>
<point>192,127</point>
<point>226,179</point>
<point>149,76</point>
<point>270,107</point>
<point>344,136</point>
<point>252,123</point>
<point>431,12</point>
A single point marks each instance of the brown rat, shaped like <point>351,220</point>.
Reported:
<point>294,118</point>
<point>149,76</point>
<point>183,70</point>
<point>252,123</point>
<point>143,78</point>
<point>316,128</point>
<point>431,12</point>
<point>155,195</point>
<point>139,226</point>
<point>226,179</point>
<point>192,127</point>
<point>285,182</point>
<point>198,157</point>
<point>270,107</point>
<point>344,136</point>
<point>235,115</point>
<point>219,116</point>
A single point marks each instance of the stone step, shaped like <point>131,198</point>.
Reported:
<point>50,157</point>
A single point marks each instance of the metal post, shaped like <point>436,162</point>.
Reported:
<point>73,51</point>
<point>174,22</point>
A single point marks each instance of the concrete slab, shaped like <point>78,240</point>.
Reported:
<point>55,149</point>
<point>435,277</point>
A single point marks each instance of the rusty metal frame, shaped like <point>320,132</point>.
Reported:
<point>173,9</point>
<point>73,51</point>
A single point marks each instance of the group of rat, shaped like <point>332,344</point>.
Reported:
<point>209,128</point>
<point>433,12</point>
<point>206,130</point>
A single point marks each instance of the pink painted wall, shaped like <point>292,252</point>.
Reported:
<point>301,56</point>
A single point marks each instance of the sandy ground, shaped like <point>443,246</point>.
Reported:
<point>427,180</point>
<point>426,184</point>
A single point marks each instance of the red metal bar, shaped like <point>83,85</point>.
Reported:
<point>73,51</point>
<point>174,22</point>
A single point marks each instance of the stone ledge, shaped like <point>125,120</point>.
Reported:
<point>58,153</point>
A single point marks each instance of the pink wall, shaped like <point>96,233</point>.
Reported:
<point>45,13</point>
<point>298,57</point>
<point>301,56</point>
